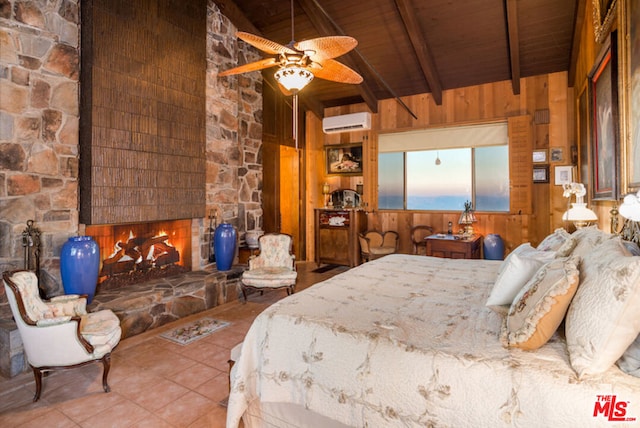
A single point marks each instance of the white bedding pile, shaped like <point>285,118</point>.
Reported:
<point>408,341</point>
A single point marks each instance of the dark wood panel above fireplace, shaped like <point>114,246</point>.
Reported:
<point>142,127</point>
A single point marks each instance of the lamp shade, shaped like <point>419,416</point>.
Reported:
<point>293,78</point>
<point>467,217</point>
<point>579,212</point>
<point>630,207</point>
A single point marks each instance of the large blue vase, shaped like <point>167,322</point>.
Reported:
<point>79,266</point>
<point>493,247</point>
<point>224,243</point>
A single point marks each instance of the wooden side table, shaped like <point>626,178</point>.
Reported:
<point>454,246</point>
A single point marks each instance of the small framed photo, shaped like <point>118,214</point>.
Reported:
<point>556,154</point>
<point>344,159</point>
<point>541,173</point>
<point>563,175</point>
<point>540,156</point>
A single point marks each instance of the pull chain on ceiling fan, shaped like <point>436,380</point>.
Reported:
<point>300,62</point>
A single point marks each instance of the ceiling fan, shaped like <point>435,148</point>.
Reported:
<point>300,62</point>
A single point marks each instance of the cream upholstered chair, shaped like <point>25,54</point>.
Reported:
<point>59,334</point>
<point>274,267</point>
<point>374,244</point>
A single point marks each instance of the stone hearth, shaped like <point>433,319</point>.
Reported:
<point>145,306</point>
<point>141,307</point>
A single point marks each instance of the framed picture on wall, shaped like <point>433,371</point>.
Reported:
<point>563,175</point>
<point>630,54</point>
<point>541,173</point>
<point>556,154</point>
<point>539,156</point>
<point>603,94</point>
<point>344,159</point>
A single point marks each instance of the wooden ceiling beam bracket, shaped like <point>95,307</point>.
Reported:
<point>421,48</point>
<point>514,44</point>
<point>327,27</point>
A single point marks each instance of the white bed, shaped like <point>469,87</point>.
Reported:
<point>407,341</point>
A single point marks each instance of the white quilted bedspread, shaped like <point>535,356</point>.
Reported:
<point>406,341</point>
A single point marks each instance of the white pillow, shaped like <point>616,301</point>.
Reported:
<point>527,251</point>
<point>603,318</point>
<point>518,269</point>
<point>554,241</point>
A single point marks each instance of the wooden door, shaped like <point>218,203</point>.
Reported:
<point>290,196</point>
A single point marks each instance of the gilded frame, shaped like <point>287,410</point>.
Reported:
<point>604,13</point>
<point>344,159</point>
<point>603,95</point>
<point>629,21</point>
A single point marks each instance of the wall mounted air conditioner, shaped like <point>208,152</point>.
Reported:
<point>346,123</point>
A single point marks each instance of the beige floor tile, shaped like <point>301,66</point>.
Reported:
<point>195,375</point>
<point>122,415</point>
<point>158,395</point>
<point>186,409</point>
<point>88,406</point>
<point>215,389</point>
<point>52,418</point>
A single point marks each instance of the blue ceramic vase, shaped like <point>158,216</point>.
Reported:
<point>493,247</point>
<point>224,242</point>
<point>79,266</point>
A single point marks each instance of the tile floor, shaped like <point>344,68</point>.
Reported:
<point>154,382</point>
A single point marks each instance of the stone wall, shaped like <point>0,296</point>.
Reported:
<point>234,128</point>
<point>39,72</point>
<point>39,122</point>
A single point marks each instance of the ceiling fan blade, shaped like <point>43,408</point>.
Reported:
<point>264,45</point>
<point>335,71</point>
<point>252,66</point>
<point>323,48</point>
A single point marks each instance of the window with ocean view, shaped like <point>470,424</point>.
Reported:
<point>440,168</point>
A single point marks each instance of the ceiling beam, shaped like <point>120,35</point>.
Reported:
<point>236,16</point>
<point>242,23</point>
<point>514,44</point>
<point>575,48</point>
<point>325,27</point>
<point>421,48</point>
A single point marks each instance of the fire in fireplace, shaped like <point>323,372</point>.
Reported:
<point>133,253</point>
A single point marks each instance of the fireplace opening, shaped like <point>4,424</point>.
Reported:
<point>138,252</point>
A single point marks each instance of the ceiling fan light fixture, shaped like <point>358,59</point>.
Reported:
<point>293,77</point>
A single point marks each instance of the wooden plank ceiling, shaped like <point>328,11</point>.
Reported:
<point>406,47</point>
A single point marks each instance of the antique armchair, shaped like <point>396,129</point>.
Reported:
<point>59,333</point>
<point>273,268</point>
<point>374,244</point>
<point>418,233</point>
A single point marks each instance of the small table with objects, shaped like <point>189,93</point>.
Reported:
<point>454,246</point>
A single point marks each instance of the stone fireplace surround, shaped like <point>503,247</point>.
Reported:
<point>39,174</point>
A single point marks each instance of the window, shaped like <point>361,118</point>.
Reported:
<point>444,178</point>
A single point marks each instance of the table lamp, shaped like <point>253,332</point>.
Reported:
<point>467,218</point>
<point>578,214</point>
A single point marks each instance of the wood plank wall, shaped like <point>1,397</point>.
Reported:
<point>480,103</point>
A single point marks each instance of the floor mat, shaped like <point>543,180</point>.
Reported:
<point>195,330</point>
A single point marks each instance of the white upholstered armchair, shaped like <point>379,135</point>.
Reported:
<point>59,334</point>
<point>274,267</point>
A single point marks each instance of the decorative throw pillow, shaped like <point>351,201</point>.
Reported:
<point>630,360</point>
<point>603,319</point>
<point>540,306</point>
<point>554,241</point>
<point>587,239</point>
<point>518,270</point>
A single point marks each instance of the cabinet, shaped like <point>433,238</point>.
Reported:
<point>336,236</point>
<point>454,247</point>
